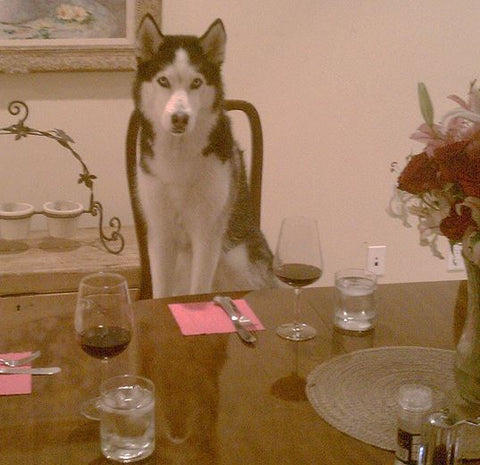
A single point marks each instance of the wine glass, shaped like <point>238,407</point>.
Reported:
<point>298,263</point>
<point>103,322</point>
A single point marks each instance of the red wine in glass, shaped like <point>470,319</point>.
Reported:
<point>103,322</point>
<point>104,341</point>
<point>298,274</point>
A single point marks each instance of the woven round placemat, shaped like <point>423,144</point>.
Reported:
<point>356,392</point>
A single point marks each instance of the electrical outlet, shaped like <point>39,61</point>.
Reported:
<point>376,259</point>
<point>454,258</point>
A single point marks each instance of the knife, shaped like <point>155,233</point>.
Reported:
<point>230,309</point>
<point>30,371</point>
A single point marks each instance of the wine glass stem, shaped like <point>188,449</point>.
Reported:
<point>104,370</point>
<point>297,291</point>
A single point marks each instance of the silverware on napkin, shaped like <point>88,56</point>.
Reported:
<point>30,371</point>
<point>229,307</point>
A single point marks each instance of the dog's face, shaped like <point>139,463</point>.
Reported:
<point>178,76</point>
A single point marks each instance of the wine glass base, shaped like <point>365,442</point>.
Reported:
<point>296,331</point>
<point>91,409</point>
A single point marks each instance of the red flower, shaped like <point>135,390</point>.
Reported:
<point>420,175</point>
<point>459,163</point>
<point>454,226</point>
<point>473,149</point>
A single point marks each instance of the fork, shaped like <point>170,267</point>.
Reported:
<point>19,361</point>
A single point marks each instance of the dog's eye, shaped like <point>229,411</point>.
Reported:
<point>196,83</point>
<point>163,81</point>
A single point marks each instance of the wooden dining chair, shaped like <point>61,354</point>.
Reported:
<point>255,180</point>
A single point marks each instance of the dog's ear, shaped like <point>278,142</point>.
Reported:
<point>149,39</point>
<point>213,42</point>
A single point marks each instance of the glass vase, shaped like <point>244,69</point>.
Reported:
<point>467,358</point>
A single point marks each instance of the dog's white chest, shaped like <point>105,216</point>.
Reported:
<point>190,186</point>
<point>186,204</point>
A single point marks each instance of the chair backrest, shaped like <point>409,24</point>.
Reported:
<point>255,181</point>
<point>256,161</point>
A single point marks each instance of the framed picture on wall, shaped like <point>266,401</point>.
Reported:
<point>71,35</point>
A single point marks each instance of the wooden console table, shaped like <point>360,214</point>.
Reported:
<point>44,265</point>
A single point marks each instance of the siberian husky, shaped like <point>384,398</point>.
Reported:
<point>188,184</point>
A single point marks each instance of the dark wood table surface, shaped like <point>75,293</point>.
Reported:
<point>218,400</point>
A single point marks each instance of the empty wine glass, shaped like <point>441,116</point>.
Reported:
<point>298,263</point>
<point>103,322</point>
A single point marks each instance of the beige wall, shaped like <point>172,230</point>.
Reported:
<point>335,84</point>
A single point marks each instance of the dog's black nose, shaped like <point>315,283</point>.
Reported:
<point>180,120</point>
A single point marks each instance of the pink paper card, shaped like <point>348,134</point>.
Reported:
<point>207,318</point>
<point>15,384</point>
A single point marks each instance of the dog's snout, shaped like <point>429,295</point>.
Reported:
<point>180,120</point>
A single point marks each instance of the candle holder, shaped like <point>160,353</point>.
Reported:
<point>15,220</point>
<point>59,210</point>
<point>62,217</point>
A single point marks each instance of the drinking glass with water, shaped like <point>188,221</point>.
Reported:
<point>355,300</point>
<point>127,418</point>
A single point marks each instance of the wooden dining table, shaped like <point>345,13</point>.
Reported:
<point>218,400</point>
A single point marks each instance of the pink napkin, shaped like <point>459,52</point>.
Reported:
<point>15,384</point>
<point>208,318</point>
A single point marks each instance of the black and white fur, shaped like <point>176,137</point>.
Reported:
<point>188,185</point>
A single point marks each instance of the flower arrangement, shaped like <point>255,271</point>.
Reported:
<point>441,185</point>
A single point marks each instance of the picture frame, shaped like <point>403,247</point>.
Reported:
<point>78,54</point>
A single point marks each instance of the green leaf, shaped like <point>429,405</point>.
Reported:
<point>426,106</point>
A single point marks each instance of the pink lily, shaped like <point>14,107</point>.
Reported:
<point>431,136</point>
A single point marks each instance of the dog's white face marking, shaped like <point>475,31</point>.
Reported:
<point>178,93</point>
